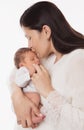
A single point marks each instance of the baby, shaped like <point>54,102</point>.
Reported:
<point>24,59</point>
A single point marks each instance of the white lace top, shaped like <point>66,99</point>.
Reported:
<point>64,108</point>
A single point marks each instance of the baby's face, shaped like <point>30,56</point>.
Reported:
<point>30,59</point>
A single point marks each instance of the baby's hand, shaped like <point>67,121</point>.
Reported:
<point>35,98</point>
<point>36,119</point>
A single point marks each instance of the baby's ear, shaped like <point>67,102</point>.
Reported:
<point>21,64</point>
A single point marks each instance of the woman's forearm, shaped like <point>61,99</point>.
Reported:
<point>15,90</point>
<point>11,84</point>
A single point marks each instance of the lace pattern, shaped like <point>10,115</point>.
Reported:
<point>52,107</point>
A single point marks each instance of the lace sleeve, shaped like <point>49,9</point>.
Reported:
<point>66,114</point>
<point>52,107</point>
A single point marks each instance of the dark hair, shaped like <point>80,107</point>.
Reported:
<point>65,38</point>
<point>20,55</point>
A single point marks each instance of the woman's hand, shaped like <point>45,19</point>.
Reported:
<point>23,108</point>
<point>42,80</point>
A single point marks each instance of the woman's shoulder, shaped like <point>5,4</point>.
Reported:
<point>77,52</point>
<point>75,59</point>
<point>76,55</point>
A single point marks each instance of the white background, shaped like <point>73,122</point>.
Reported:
<point>12,37</point>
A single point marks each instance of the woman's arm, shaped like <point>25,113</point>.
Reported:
<point>64,113</point>
<point>69,113</point>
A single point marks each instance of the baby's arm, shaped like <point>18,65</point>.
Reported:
<point>34,97</point>
<point>22,79</point>
<point>35,117</point>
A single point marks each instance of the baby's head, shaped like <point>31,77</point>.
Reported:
<point>26,57</point>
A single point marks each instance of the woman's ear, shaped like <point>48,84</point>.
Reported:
<point>47,31</point>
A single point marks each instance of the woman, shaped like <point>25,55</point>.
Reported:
<point>62,89</point>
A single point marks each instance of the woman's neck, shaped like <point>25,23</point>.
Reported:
<point>58,56</point>
<point>54,51</point>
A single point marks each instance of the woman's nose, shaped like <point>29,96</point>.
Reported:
<point>29,45</point>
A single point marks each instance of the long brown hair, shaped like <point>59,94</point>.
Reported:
<point>65,38</point>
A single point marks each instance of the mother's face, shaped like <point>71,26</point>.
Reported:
<point>39,41</point>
